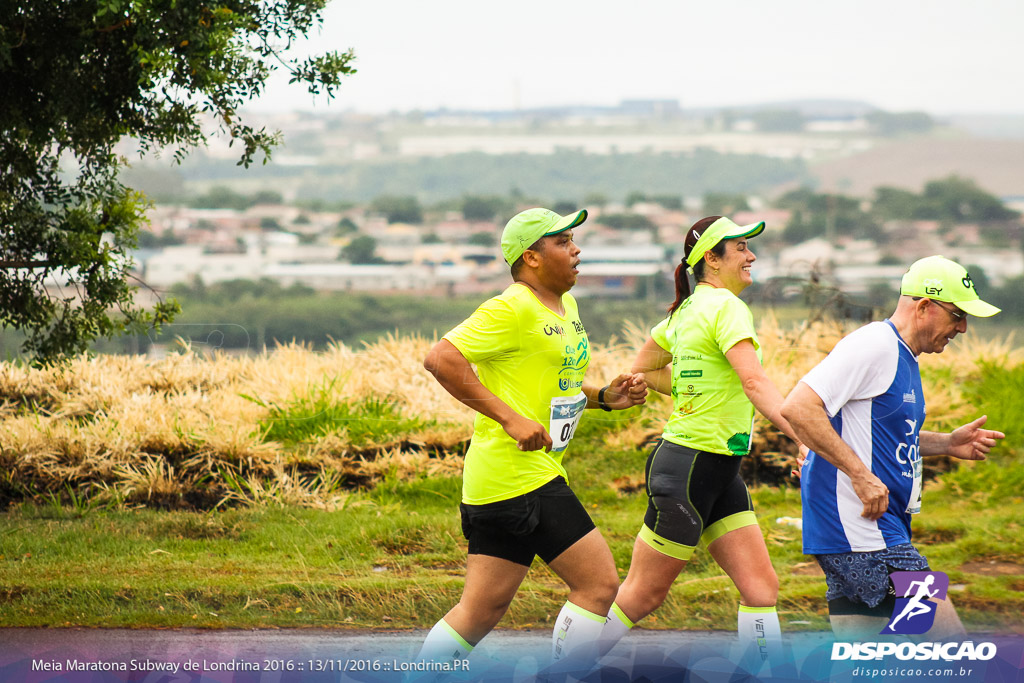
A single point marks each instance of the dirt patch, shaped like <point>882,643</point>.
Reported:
<point>629,484</point>
<point>806,569</point>
<point>993,568</point>
<point>931,536</point>
<point>450,565</point>
<point>10,594</point>
<point>404,542</point>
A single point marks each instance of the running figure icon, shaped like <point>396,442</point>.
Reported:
<point>918,604</point>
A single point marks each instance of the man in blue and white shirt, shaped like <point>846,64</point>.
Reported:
<point>860,412</point>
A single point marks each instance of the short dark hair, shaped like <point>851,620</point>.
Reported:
<point>517,265</point>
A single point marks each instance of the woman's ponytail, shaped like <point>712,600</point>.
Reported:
<point>682,287</point>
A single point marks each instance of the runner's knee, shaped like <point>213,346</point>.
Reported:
<point>606,587</point>
<point>485,612</point>
<point>598,593</point>
<point>641,599</point>
<point>760,591</point>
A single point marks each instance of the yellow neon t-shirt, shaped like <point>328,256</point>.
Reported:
<point>534,360</point>
<point>710,412</point>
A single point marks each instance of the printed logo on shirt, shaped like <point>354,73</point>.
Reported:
<point>909,453</point>
<point>910,398</point>
<point>690,391</point>
<point>739,444</point>
<point>554,329</point>
<point>914,612</point>
<point>685,406</point>
<point>574,364</point>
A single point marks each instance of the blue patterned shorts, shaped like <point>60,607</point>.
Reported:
<point>864,577</point>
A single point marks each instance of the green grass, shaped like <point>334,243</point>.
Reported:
<point>367,421</point>
<point>394,558</point>
<point>999,391</point>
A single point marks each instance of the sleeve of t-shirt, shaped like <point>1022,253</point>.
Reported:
<point>491,331</point>
<point>659,333</point>
<point>733,324</point>
<point>861,366</point>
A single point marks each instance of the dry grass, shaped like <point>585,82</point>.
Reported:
<point>185,431</point>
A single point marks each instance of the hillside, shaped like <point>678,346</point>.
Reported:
<point>995,165</point>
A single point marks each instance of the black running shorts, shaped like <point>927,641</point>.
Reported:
<point>545,522</point>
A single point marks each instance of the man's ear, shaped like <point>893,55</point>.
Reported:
<point>531,258</point>
<point>920,305</point>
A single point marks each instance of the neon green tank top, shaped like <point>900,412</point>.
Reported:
<point>534,360</point>
<point>710,412</point>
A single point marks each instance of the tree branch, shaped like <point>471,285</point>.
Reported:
<point>11,265</point>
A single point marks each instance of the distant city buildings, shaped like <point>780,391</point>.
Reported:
<point>437,258</point>
<point>449,253</point>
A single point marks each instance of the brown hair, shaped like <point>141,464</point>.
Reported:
<point>694,233</point>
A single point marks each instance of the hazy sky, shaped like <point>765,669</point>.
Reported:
<point>941,56</point>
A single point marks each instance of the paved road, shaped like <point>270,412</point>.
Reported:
<point>164,656</point>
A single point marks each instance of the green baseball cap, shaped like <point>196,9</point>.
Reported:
<point>940,279</point>
<point>722,229</point>
<point>526,227</point>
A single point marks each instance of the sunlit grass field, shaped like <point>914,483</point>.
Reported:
<point>302,488</point>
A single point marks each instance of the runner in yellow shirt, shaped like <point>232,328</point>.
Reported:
<point>531,352</point>
<point>707,356</point>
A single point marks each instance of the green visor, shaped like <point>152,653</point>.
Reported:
<point>722,229</point>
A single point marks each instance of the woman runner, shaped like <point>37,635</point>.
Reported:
<point>706,355</point>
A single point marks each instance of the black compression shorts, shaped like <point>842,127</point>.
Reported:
<point>693,496</point>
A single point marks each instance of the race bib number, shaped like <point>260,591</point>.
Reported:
<point>914,506</point>
<point>566,412</point>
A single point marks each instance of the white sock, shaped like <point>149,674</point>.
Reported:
<point>760,634</point>
<point>576,633</point>
<point>618,625</point>
<point>443,644</point>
